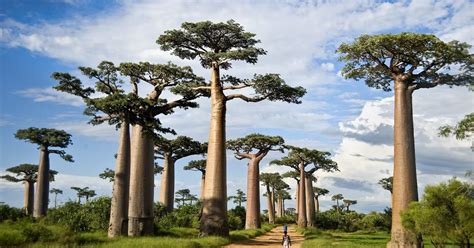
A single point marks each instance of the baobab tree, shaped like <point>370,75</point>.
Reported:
<point>27,173</point>
<point>267,180</point>
<point>281,195</point>
<point>171,151</point>
<point>278,185</point>
<point>295,174</point>
<point>161,77</point>
<point>310,205</point>
<point>182,195</point>
<point>298,159</point>
<point>238,198</point>
<point>55,192</point>
<point>216,45</point>
<point>109,174</point>
<point>317,193</point>
<point>89,194</point>
<point>337,198</point>
<point>198,165</point>
<point>191,198</point>
<point>387,183</point>
<point>80,192</point>
<point>254,147</point>
<point>348,203</point>
<point>285,195</point>
<point>46,139</point>
<point>410,62</point>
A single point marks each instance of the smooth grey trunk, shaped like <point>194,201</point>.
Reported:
<point>118,224</point>
<point>42,184</point>
<point>316,201</point>
<point>28,196</point>
<point>302,221</point>
<point>214,214</point>
<point>405,188</point>
<point>140,212</point>
<point>252,215</point>
<point>297,198</point>
<point>167,183</point>
<point>279,207</point>
<point>203,181</point>
<point>55,200</point>
<point>271,216</point>
<point>273,202</point>
<point>283,207</point>
<point>309,202</point>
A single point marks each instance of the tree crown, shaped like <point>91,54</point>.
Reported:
<point>420,60</point>
<point>26,172</point>
<point>259,142</point>
<point>197,165</point>
<point>320,191</point>
<point>296,156</point>
<point>47,137</point>
<point>178,148</point>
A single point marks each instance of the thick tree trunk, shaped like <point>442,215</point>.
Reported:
<point>316,200</point>
<point>29,196</point>
<point>279,207</point>
<point>140,212</point>
<point>273,202</point>
<point>271,216</point>
<point>302,221</point>
<point>297,198</point>
<point>42,187</point>
<point>203,181</point>
<point>283,208</point>
<point>214,214</point>
<point>118,223</point>
<point>252,216</point>
<point>404,170</point>
<point>167,183</point>
<point>309,202</point>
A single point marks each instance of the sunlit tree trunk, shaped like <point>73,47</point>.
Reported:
<point>214,214</point>
<point>252,216</point>
<point>203,181</point>
<point>404,172</point>
<point>279,207</point>
<point>297,198</point>
<point>29,196</point>
<point>316,201</point>
<point>140,212</point>
<point>118,223</point>
<point>42,184</point>
<point>309,202</point>
<point>167,183</point>
<point>302,221</point>
<point>271,216</point>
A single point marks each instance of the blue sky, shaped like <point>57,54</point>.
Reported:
<point>347,118</point>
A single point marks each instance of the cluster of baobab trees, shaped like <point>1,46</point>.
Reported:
<point>406,61</point>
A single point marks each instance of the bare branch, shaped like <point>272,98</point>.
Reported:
<point>245,98</point>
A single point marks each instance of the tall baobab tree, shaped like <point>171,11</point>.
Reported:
<point>27,173</point>
<point>198,165</point>
<point>285,195</point>
<point>310,205</point>
<point>387,183</point>
<point>238,198</point>
<point>216,45</point>
<point>254,147</point>
<point>80,192</point>
<point>278,185</point>
<point>171,151</point>
<point>46,139</point>
<point>348,203</point>
<point>182,195</point>
<point>267,180</point>
<point>89,194</point>
<point>410,62</point>
<point>337,198</point>
<point>281,195</point>
<point>161,77</point>
<point>317,193</point>
<point>298,159</point>
<point>55,192</point>
<point>295,174</point>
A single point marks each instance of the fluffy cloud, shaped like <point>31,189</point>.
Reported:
<point>51,95</point>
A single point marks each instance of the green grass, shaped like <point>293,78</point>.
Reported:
<point>14,234</point>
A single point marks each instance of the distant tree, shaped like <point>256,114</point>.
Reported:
<point>171,151</point>
<point>192,198</point>
<point>254,147</point>
<point>387,183</point>
<point>444,214</point>
<point>26,173</point>
<point>238,198</point>
<point>267,180</point>
<point>198,165</point>
<point>183,196</point>
<point>408,61</point>
<point>295,174</point>
<point>278,187</point>
<point>348,203</point>
<point>337,198</point>
<point>55,192</point>
<point>317,193</point>
<point>89,194</point>
<point>108,174</point>
<point>216,45</point>
<point>80,192</point>
<point>46,139</point>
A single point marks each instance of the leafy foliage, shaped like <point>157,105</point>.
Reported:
<point>296,156</point>
<point>46,138</point>
<point>320,191</point>
<point>178,148</point>
<point>238,198</point>
<point>462,130</point>
<point>445,213</point>
<point>421,60</point>
<point>259,142</point>
<point>197,165</point>
<point>387,183</point>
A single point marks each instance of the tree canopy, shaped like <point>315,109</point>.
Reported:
<point>178,148</point>
<point>26,172</point>
<point>421,60</point>
<point>320,191</point>
<point>196,165</point>
<point>320,160</point>
<point>47,137</point>
<point>257,143</point>
<point>387,183</point>
<point>463,129</point>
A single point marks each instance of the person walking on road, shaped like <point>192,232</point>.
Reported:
<point>286,242</point>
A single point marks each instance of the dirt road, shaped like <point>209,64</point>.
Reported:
<point>271,239</point>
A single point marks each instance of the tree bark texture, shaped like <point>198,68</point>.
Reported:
<point>271,216</point>
<point>214,214</point>
<point>140,212</point>
<point>28,196</point>
<point>203,181</point>
<point>297,198</point>
<point>252,216</point>
<point>316,201</point>
<point>302,221</point>
<point>167,183</point>
<point>279,207</point>
<point>42,184</point>
<point>404,177</point>
<point>309,202</point>
<point>118,223</point>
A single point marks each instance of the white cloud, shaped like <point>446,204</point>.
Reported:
<point>102,132</point>
<point>51,95</point>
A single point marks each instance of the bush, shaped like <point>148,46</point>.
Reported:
<point>36,232</point>
<point>183,216</point>
<point>10,213</point>
<point>334,220</point>
<point>287,219</point>
<point>236,218</point>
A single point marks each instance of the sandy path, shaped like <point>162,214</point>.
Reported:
<point>271,239</point>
